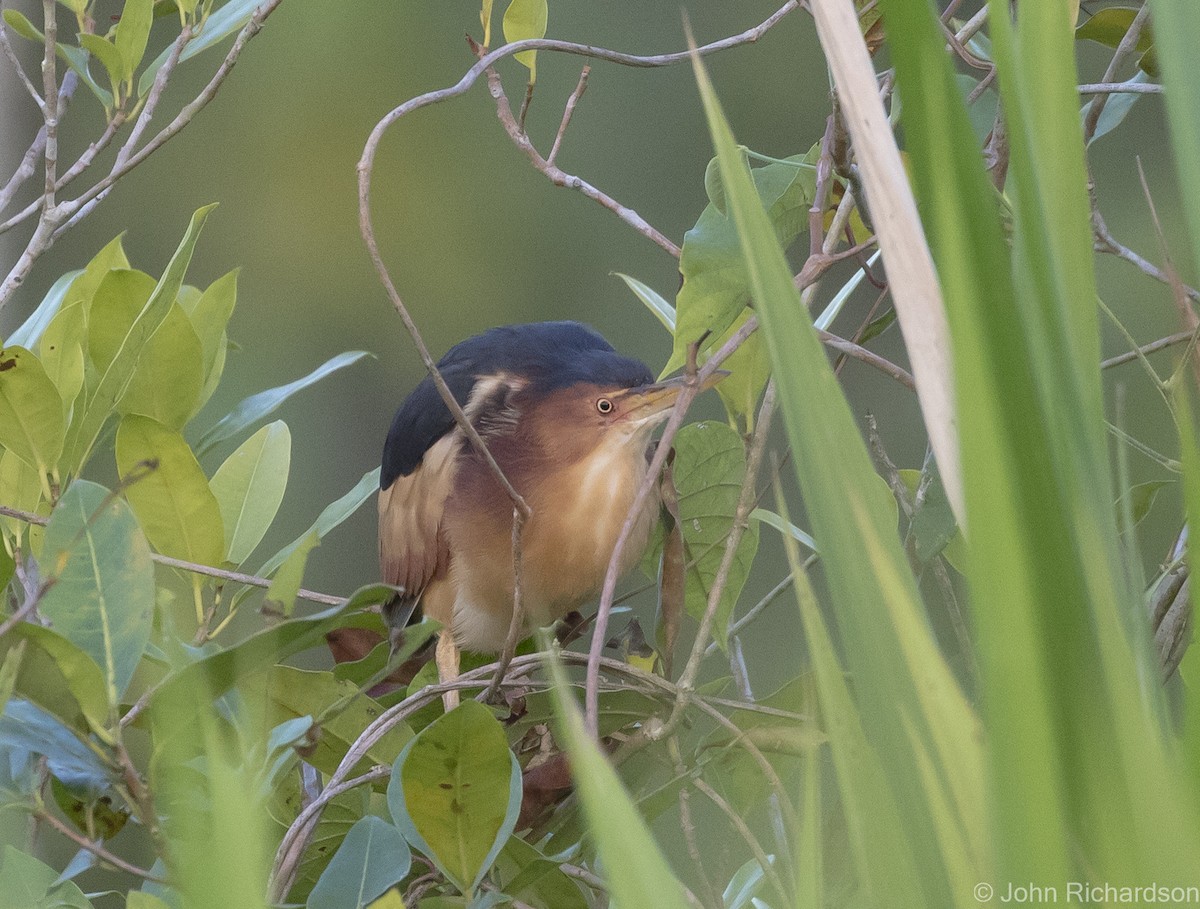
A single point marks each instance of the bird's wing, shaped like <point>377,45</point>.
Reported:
<point>412,548</point>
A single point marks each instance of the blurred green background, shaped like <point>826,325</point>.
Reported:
<point>475,237</point>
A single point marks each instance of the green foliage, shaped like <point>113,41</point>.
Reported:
<point>525,19</point>
<point>455,793</point>
<point>372,858</point>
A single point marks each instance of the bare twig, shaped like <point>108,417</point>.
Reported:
<point>686,396</point>
<point>557,175</point>
<point>516,624</point>
<point>1128,42</point>
<point>568,112</point>
<point>156,91</point>
<point>11,54</point>
<point>58,219</point>
<point>1153,347</point>
<point>747,835</point>
<point>96,848</point>
<point>1118,88</point>
<point>50,104</point>
<point>236,576</point>
<point>858,352</point>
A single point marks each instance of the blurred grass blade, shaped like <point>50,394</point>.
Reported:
<point>900,675</point>
<point>635,870</point>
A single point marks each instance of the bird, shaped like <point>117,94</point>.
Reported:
<point>569,421</point>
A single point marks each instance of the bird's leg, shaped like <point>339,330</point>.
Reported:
<point>447,666</point>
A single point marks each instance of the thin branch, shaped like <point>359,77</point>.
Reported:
<point>1128,42</point>
<point>858,352</point>
<point>568,112</point>
<point>194,567</point>
<point>50,104</point>
<point>557,175</point>
<point>600,633</point>
<point>1118,88</point>
<point>516,623</point>
<point>741,521</point>
<point>156,91</point>
<point>11,54</point>
<point>96,848</point>
<point>1153,347</point>
<point>743,828</point>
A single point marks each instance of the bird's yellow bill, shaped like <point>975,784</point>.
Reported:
<point>650,400</point>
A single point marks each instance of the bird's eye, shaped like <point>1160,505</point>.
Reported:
<point>604,405</point>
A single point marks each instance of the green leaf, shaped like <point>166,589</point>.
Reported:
<point>485,20</point>
<point>749,369</point>
<point>20,487</point>
<point>19,23</point>
<point>79,60</point>
<point>281,595</point>
<point>1108,27</point>
<point>115,378</point>
<point>635,869</point>
<point>222,670</point>
<point>372,858</point>
<point>169,371</point>
<point>710,463</point>
<point>526,19</point>
<point>30,331</point>
<point>222,23</point>
<point>265,403</point>
<point>341,711</point>
<point>536,880</point>
<point>249,487</point>
<point>31,411</point>
<point>24,726</point>
<point>210,316</point>
<point>1141,498</point>
<point>716,287</point>
<point>173,502</point>
<point>26,883</point>
<point>108,55</point>
<point>61,353</point>
<point>333,515</point>
<point>455,793</point>
<point>133,31</point>
<point>102,581</point>
<point>140,900</point>
<point>60,678</point>
<point>658,305</point>
<point>901,677</point>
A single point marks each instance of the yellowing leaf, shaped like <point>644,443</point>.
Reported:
<point>526,19</point>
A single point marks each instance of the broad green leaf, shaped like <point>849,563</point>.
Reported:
<point>536,880</point>
<point>62,355</point>
<point>138,899</point>
<point>265,403</point>
<point>455,793</point>
<point>340,710</point>
<point>771,519</point>
<point>901,677</point>
<point>634,868</point>
<point>333,515</point>
<point>220,671</point>
<point>114,379</point>
<point>280,600</point>
<point>372,858</point>
<point>26,883</point>
<point>102,595</point>
<point>390,900</point>
<point>1108,27</point>
<point>716,287</point>
<point>21,488</point>
<point>1141,498</point>
<point>79,60</point>
<point>173,502</point>
<point>31,411</point>
<point>749,369</point>
<point>526,19</point>
<point>210,315</point>
<point>24,726</point>
<point>1116,109</point>
<point>710,463</point>
<point>8,568</point>
<point>30,331</point>
<point>169,370</point>
<point>19,23</point>
<point>339,816</point>
<point>222,23</point>
<point>60,678</point>
<point>132,33</point>
<point>108,55</point>
<point>249,487</point>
